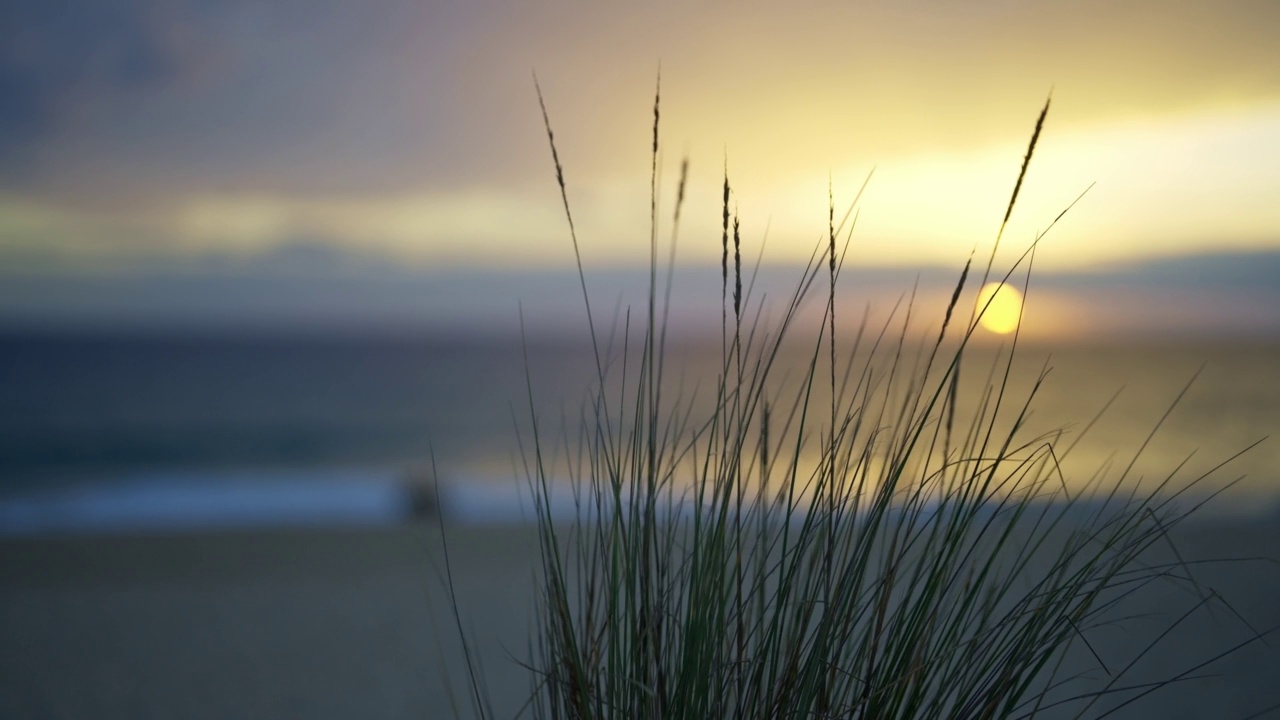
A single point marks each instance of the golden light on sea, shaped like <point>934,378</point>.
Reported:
<point>1001,308</point>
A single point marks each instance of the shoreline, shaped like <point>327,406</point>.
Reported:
<point>351,498</point>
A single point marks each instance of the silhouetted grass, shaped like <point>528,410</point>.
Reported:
<point>778,557</point>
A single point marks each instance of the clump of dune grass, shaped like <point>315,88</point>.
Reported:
<point>847,543</point>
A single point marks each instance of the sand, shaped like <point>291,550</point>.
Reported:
<point>355,624</point>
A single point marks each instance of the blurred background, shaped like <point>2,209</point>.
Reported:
<point>290,246</point>
<point>272,275</point>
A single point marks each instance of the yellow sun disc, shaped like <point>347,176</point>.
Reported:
<point>1001,308</point>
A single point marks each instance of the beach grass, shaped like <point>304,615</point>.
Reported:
<point>852,542</point>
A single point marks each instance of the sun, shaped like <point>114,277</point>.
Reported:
<point>1003,308</point>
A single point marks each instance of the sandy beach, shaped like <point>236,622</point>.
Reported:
<point>345,623</point>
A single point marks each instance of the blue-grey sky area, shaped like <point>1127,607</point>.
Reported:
<point>193,161</point>
<point>303,289</point>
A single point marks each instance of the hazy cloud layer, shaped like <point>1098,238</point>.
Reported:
<point>133,129</point>
<point>297,97</point>
<point>308,288</point>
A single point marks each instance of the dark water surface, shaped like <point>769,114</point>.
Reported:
<point>97,408</point>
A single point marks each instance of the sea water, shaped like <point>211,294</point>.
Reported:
<point>103,430</point>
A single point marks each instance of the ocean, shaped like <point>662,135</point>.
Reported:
<point>102,429</point>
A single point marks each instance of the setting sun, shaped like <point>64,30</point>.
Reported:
<point>1001,308</point>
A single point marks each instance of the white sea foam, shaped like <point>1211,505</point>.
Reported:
<point>207,500</point>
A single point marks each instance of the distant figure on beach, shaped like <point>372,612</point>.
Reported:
<point>423,494</point>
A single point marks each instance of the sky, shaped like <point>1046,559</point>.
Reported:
<point>146,143</point>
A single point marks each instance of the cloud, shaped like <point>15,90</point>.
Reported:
<point>60,60</point>
<point>314,283</point>
<point>136,101</point>
<point>191,126</point>
<point>1246,271</point>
